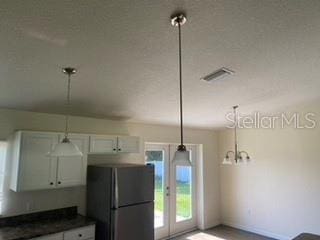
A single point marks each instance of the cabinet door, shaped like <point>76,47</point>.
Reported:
<point>83,233</point>
<point>72,170</point>
<point>57,236</point>
<point>37,170</point>
<point>128,144</point>
<point>103,144</point>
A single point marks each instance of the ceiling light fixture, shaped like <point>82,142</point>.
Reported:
<point>181,156</point>
<point>238,155</point>
<point>66,148</point>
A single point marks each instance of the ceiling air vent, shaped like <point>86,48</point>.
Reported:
<point>218,75</point>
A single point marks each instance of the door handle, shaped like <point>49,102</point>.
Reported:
<point>168,191</point>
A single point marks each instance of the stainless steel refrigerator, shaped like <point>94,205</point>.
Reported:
<point>121,198</point>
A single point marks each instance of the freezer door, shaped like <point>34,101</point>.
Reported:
<point>133,222</point>
<point>133,185</point>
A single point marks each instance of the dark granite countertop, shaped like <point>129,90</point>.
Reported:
<point>307,236</point>
<point>21,228</point>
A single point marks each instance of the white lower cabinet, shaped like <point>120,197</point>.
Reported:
<point>56,236</point>
<point>83,233</point>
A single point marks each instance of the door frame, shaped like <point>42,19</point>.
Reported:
<point>179,227</point>
<point>171,227</point>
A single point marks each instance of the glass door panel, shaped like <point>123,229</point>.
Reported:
<point>183,193</point>
<point>158,155</point>
<point>183,200</point>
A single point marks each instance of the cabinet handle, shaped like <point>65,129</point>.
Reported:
<point>51,183</point>
<point>114,149</point>
<point>80,235</point>
<point>119,149</point>
<point>59,182</point>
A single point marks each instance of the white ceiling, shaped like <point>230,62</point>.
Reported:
<point>126,55</point>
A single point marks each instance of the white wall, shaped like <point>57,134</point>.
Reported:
<point>16,203</point>
<point>279,193</point>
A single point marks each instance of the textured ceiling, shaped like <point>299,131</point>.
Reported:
<point>126,55</point>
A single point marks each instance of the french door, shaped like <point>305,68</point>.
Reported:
<point>175,190</point>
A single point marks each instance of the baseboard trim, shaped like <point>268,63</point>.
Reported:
<point>257,231</point>
<point>179,233</point>
<point>211,225</point>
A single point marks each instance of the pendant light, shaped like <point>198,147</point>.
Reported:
<point>238,155</point>
<point>181,156</point>
<point>66,148</point>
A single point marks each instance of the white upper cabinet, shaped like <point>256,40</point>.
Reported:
<point>71,171</point>
<point>128,144</point>
<point>32,167</point>
<point>114,144</point>
<point>103,144</point>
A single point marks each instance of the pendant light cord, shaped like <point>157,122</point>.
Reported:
<point>180,78</point>
<point>235,133</point>
<point>68,106</point>
<point>237,153</point>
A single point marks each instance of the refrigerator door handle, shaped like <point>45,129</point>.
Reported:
<point>114,225</point>
<point>115,188</point>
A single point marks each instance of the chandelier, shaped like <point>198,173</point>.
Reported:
<point>236,156</point>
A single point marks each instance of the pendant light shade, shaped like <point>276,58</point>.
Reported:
<point>66,148</point>
<point>227,161</point>
<point>181,156</point>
